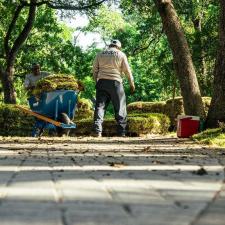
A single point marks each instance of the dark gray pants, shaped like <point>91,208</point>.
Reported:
<point>106,91</point>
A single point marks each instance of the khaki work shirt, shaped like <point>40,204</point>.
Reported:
<point>111,64</point>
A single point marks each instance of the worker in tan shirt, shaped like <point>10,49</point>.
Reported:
<point>108,68</point>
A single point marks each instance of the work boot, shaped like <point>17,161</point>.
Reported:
<point>121,135</point>
<point>98,134</point>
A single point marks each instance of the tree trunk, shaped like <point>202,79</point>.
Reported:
<point>203,67</point>
<point>10,53</point>
<point>217,107</point>
<point>8,87</point>
<point>184,67</point>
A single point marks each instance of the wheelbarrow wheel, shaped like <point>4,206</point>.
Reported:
<point>38,128</point>
<point>64,118</point>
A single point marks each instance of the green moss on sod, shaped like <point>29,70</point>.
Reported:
<point>138,124</point>
<point>14,122</point>
<point>146,107</point>
<point>214,137</point>
<point>148,123</point>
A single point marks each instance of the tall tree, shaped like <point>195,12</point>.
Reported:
<point>200,21</point>
<point>182,58</point>
<point>11,51</point>
<point>217,108</point>
<point>13,45</point>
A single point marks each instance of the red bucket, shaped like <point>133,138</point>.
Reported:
<point>187,126</point>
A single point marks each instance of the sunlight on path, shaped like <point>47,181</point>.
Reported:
<point>152,180</point>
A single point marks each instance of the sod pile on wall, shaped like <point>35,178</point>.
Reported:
<point>148,123</point>
<point>178,108</point>
<point>138,124</point>
<point>14,122</point>
<point>206,103</point>
<point>146,107</point>
<point>171,108</point>
<point>84,109</point>
<point>57,82</point>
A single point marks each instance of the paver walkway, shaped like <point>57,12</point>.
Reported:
<point>110,181</point>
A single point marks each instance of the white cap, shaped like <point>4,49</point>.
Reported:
<point>116,43</point>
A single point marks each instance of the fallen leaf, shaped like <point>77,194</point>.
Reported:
<point>117,164</point>
<point>200,172</point>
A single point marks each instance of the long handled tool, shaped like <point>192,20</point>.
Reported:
<point>46,119</point>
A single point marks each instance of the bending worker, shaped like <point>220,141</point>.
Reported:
<point>108,68</point>
<point>34,77</point>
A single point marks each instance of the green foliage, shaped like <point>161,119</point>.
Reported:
<point>100,23</point>
<point>148,52</point>
<point>46,44</point>
<point>50,44</point>
<point>66,33</point>
<point>89,85</point>
<point>20,91</point>
<point>200,22</point>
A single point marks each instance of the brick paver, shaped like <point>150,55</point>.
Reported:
<point>110,181</point>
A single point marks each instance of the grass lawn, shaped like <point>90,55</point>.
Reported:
<point>214,137</point>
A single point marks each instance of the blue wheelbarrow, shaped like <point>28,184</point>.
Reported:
<point>53,111</point>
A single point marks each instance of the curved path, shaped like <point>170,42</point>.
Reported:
<point>152,180</point>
